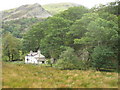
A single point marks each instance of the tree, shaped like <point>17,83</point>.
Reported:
<point>68,60</point>
<point>10,46</point>
<point>79,28</point>
<point>49,36</point>
<point>18,27</point>
<point>102,57</point>
<point>73,13</point>
<point>55,36</point>
<point>31,40</point>
<point>100,32</point>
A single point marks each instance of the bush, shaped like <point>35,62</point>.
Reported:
<point>84,64</point>
<point>48,61</point>
<point>4,58</point>
<point>68,60</point>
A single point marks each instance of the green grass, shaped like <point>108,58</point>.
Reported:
<point>58,7</point>
<point>36,76</point>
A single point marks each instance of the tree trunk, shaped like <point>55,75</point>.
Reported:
<point>12,57</point>
<point>9,55</point>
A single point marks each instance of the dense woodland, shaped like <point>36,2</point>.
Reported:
<point>77,38</point>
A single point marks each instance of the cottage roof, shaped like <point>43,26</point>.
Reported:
<point>36,54</point>
<point>39,55</point>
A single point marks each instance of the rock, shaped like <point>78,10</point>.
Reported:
<point>25,11</point>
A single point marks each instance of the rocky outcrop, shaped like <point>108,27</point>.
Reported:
<point>25,11</point>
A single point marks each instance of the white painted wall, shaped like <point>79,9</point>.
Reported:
<point>31,60</point>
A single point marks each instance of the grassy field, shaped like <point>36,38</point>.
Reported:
<point>36,76</point>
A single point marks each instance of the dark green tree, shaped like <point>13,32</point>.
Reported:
<point>102,57</point>
<point>10,46</point>
<point>68,60</point>
<point>55,36</point>
<point>31,40</point>
<point>74,13</point>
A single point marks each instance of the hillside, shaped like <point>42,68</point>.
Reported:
<point>36,76</point>
<point>18,20</point>
<point>19,26</point>
<point>58,7</point>
<point>25,11</point>
<point>35,10</point>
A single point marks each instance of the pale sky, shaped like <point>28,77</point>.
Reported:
<point>9,4</point>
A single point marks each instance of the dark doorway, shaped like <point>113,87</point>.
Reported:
<point>43,61</point>
<point>27,59</point>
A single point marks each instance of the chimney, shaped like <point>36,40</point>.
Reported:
<point>39,52</point>
<point>31,52</point>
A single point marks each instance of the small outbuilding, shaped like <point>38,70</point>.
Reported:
<point>35,58</point>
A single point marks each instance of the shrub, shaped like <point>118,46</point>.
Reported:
<point>48,61</point>
<point>84,64</point>
<point>68,60</point>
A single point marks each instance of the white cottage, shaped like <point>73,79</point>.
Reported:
<point>35,58</point>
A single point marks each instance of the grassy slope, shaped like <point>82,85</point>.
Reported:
<point>58,7</point>
<point>35,76</point>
